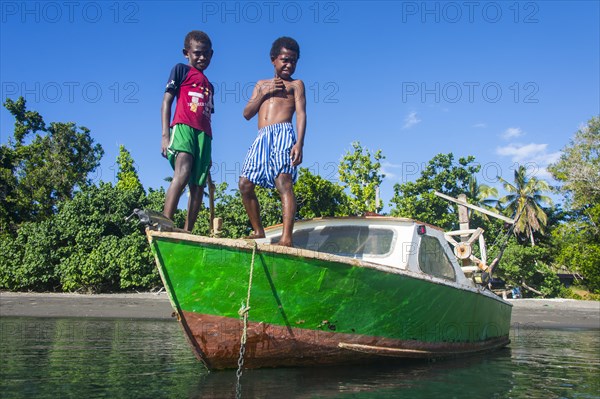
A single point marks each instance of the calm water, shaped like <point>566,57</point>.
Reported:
<point>99,358</point>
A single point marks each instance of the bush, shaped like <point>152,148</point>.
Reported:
<point>29,261</point>
<point>529,265</point>
<point>87,246</point>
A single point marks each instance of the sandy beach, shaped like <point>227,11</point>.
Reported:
<point>527,313</point>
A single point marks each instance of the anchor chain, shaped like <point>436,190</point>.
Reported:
<point>243,312</point>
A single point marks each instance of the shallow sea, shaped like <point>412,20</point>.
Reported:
<point>118,358</point>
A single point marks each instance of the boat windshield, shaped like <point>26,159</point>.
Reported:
<point>433,260</point>
<point>354,241</point>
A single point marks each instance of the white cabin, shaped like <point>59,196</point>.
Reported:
<point>395,242</point>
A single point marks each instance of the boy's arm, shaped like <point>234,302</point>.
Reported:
<point>300,102</point>
<point>254,102</point>
<point>262,90</point>
<point>165,116</point>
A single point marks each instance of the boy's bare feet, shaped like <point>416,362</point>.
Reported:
<point>254,236</point>
<point>285,244</point>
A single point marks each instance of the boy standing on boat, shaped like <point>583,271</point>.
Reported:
<point>273,158</point>
<point>187,139</point>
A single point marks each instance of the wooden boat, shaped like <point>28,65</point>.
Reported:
<point>352,290</point>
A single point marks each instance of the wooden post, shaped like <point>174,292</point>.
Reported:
<point>477,208</point>
<point>211,204</point>
<point>463,222</point>
<point>217,227</point>
<point>463,217</point>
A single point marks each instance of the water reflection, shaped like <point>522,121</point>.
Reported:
<point>96,358</point>
<point>415,380</point>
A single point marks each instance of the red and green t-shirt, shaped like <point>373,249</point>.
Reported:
<point>194,95</point>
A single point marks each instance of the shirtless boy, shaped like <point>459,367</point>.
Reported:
<point>273,158</point>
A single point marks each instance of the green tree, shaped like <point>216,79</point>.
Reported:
<point>528,267</point>
<point>85,244</point>
<point>578,251</point>
<point>417,200</point>
<point>38,175</point>
<point>30,258</point>
<point>230,208</point>
<point>155,199</point>
<point>483,196</point>
<point>579,167</point>
<point>360,173</point>
<point>100,251</point>
<point>9,202</point>
<point>318,197</point>
<point>524,202</point>
<point>577,240</point>
<point>127,177</point>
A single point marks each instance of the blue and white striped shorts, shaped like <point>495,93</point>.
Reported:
<point>269,155</point>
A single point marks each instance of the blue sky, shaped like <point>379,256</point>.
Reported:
<point>508,82</point>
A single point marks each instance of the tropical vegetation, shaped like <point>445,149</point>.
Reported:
<point>64,229</point>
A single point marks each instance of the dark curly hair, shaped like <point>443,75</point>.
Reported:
<point>196,35</point>
<point>284,42</point>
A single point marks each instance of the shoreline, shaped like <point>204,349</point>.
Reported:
<point>527,313</point>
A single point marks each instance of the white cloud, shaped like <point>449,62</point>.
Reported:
<point>402,172</point>
<point>512,132</point>
<point>386,168</point>
<point>543,174</point>
<point>533,156</point>
<point>387,173</point>
<point>411,120</point>
<point>519,153</point>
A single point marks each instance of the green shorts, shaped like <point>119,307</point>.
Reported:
<point>193,141</point>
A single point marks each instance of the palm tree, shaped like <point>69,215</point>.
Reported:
<point>524,202</point>
<point>483,196</point>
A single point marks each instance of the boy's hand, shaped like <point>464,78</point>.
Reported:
<point>296,154</point>
<point>164,145</point>
<point>278,86</point>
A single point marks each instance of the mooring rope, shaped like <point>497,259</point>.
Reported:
<point>243,312</point>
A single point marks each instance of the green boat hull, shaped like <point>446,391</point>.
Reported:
<point>310,308</point>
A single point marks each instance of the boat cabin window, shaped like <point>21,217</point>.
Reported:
<point>433,259</point>
<point>354,241</point>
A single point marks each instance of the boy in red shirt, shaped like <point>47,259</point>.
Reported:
<point>187,139</point>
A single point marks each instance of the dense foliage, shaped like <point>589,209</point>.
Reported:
<point>528,267</point>
<point>578,238</point>
<point>524,202</point>
<point>360,173</point>
<point>417,199</point>
<point>61,232</point>
<point>87,245</point>
<point>318,197</point>
<point>41,166</point>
